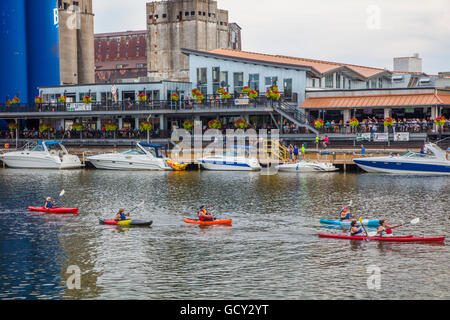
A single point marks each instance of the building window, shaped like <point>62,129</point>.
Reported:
<point>254,81</point>
<point>238,78</point>
<point>186,13</point>
<point>164,15</point>
<point>380,82</point>
<point>329,81</point>
<point>224,79</point>
<point>202,80</point>
<point>141,65</point>
<point>287,84</point>
<point>215,78</point>
<point>270,81</point>
<point>192,13</point>
<point>373,83</point>
<point>338,81</point>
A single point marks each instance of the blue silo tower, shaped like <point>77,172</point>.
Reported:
<point>42,44</point>
<point>13,53</point>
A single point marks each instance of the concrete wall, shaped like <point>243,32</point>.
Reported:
<point>173,25</point>
<point>77,42</point>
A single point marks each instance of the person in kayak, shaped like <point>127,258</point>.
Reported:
<point>121,215</point>
<point>204,215</point>
<point>49,203</point>
<point>356,230</point>
<point>345,214</point>
<point>385,230</point>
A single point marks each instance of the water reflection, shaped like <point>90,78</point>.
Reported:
<point>271,252</point>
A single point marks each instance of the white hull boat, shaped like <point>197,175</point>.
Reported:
<point>144,157</point>
<point>231,161</point>
<point>434,162</point>
<point>307,166</point>
<point>43,155</point>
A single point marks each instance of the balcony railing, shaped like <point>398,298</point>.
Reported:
<point>211,102</point>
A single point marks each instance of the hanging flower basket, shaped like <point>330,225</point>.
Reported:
<point>174,97</point>
<point>220,91</point>
<point>62,99</point>
<point>142,97</point>
<point>38,100</point>
<point>110,127</point>
<point>8,103</point>
<point>200,97</point>
<point>146,126</point>
<point>226,95</point>
<point>273,94</point>
<point>246,89</point>
<point>318,123</point>
<point>87,99</point>
<point>388,122</point>
<point>77,126</point>
<point>354,122</point>
<point>240,124</point>
<point>15,100</point>
<point>253,94</point>
<point>215,124</point>
<point>12,126</point>
<point>188,124</point>
<point>195,92</point>
<point>440,121</point>
<point>44,127</point>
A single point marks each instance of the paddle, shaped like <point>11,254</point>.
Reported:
<point>138,206</point>
<point>362,225</point>
<point>413,222</point>
<point>62,193</point>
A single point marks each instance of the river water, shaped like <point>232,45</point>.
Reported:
<point>272,251</point>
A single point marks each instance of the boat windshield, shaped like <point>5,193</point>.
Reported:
<point>56,148</point>
<point>134,152</point>
<point>410,154</point>
<point>38,147</point>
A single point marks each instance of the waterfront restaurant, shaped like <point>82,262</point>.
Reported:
<point>415,104</point>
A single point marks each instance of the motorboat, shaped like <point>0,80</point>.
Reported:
<point>433,161</point>
<point>42,155</point>
<point>307,166</point>
<point>145,156</point>
<point>237,158</point>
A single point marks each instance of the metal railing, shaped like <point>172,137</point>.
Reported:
<point>210,101</point>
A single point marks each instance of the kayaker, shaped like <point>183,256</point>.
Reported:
<point>121,215</point>
<point>345,214</point>
<point>204,215</point>
<point>49,203</point>
<point>356,230</point>
<point>385,230</point>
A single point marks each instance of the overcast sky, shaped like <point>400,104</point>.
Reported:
<point>364,32</point>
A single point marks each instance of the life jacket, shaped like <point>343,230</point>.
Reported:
<point>122,216</point>
<point>203,218</point>
<point>387,231</point>
<point>357,232</point>
<point>347,217</point>
<point>48,204</point>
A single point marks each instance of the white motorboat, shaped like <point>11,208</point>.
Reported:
<point>307,166</point>
<point>236,159</point>
<point>433,162</point>
<point>42,155</point>
<point>145,156</point>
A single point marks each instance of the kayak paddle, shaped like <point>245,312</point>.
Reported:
<point>62,193</point>
<point>138,206</point>
<point>413,222</point>
<point>362,225</point>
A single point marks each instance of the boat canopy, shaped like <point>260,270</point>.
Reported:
<point>49,143</point>
<point>438,152</point>
<point>151,145</point>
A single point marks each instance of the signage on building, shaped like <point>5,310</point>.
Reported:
<point>364,137</point>
<point>381,137</point>
<point>401,136</point>
<point>76,106</point>
<point>241,102</point>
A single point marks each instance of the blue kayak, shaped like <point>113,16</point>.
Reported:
<point>366,222</point>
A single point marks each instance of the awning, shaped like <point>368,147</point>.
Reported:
<point>377,101</point>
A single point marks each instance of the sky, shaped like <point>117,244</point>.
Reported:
<point>362,32</point>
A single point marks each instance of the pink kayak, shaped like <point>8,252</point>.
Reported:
<point>54,210</point>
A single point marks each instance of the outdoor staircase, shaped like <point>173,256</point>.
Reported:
<point>293,114</point>
<point>275,150</point>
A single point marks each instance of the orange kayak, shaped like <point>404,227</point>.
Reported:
<point>215,222</point>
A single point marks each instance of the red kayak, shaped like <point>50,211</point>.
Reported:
<point>54,210</point>
<point>391,239</point>
<point>207,223</point>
